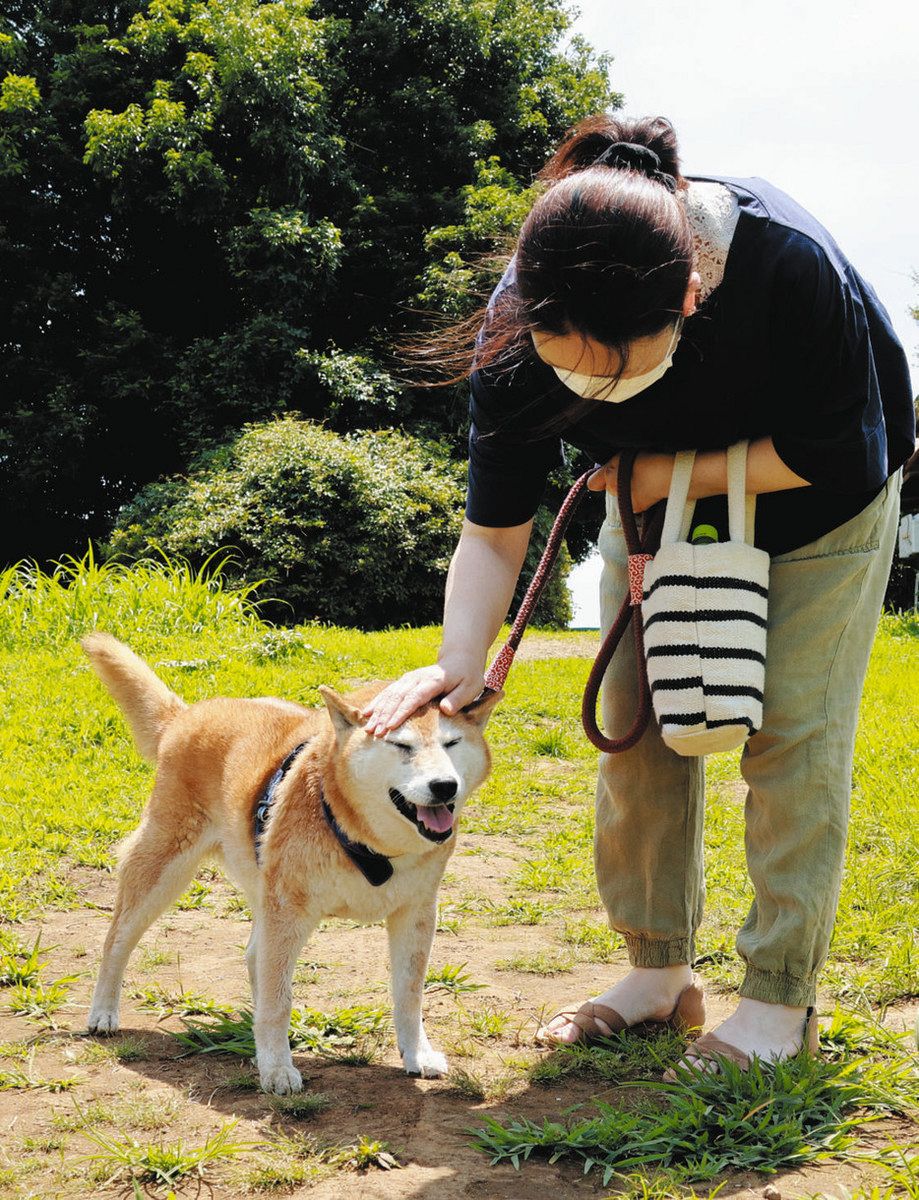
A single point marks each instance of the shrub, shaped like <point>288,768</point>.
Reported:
<point>350,529</point>
<point>353,529</point>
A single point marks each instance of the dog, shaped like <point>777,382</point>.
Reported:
<point>312,818</point>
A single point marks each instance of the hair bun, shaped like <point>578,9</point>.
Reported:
<point>629,154</point>
<point>635,157</point>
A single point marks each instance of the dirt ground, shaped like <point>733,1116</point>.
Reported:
<point>424,1123</point>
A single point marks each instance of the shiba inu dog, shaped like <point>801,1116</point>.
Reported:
<point>311,816</point>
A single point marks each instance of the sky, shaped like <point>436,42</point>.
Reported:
<point>819,98</point>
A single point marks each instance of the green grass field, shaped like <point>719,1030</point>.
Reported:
<point>73,785</point>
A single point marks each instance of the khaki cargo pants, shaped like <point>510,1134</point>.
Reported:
<point>824,602</point>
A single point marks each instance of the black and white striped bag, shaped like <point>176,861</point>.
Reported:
<point>704,615</point>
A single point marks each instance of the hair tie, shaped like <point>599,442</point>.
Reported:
<point>634,157</point>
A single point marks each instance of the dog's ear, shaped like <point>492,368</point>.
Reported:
<point>345,716</point>
<point>480,709</point>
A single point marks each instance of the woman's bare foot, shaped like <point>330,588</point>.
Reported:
<point>645,994</point>
<point>768,1031</point>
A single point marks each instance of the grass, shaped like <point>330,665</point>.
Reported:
<point>179,1002</point>
<point>160,1163</point>
<point>770,1117</point>
<point>69,747</point>
<point>348,1033</point>
<point>450,978</point>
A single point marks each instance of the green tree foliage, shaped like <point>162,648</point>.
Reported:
<point>213,213</point>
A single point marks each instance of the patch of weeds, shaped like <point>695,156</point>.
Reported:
<point>543,962</point>
<point>17,1080</point>
<point>551,743</point>
<point>94,1113</point>
<point>448,918</point>
<point>519,912</point>
<point>486,1023</point>
<point>194,898</point>
<point>242,1081</point>
<point>450,978</point>
<point>301,1105</point>
<point>39,1001</point>
<point>19,966</point>
<point>237,906</point>
<point>620,1058</point>
<point>181,1003</point>
<point>333,1034</point>
<point>125,1050</point>
<point>361,1156</point>
<point>468,1084</point>
<point>44,1145</point>
<point>286,1161</point>
<point>771,1116</point>
<point>596,941</point>
<point>160,1163</point>
<point>306,972</point>
<point>151,957</point>
<point>14,1050</point>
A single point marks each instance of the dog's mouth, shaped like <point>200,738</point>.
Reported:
<point>433,821</point>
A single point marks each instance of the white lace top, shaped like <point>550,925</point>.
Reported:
<point>713,212</point>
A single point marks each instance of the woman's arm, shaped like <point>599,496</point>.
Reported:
<point>766,472</point>
<point>480,587</point>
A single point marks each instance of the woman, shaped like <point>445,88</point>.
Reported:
<point>642,309</point>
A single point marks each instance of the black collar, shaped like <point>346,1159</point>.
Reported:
<point>376,868</point>
<point>267,797</point>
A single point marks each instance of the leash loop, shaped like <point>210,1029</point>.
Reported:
<point>640,548</point>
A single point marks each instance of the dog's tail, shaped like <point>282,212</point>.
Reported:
<point>141,695</point>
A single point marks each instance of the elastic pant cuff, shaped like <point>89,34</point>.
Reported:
<point>658,952</point>
<point>776,987</point>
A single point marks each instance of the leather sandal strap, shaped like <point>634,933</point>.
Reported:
<point>708,1046</point>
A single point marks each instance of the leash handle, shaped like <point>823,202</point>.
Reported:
<point>640,547</point>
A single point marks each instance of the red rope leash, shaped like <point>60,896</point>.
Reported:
<point>639,554</point>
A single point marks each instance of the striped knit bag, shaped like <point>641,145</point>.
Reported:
<point>704,615</point>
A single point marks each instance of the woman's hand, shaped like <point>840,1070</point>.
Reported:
<point>458,682</point>
<point>650,479</point>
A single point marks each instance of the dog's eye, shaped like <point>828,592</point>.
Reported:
<point>452,742</point>
<point>407,746</point>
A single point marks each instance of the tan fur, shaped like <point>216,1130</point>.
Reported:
<point>214,759</point>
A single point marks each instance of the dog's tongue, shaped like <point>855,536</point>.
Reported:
<point>439,818</point>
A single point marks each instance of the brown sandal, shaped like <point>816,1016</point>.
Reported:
<point>688,1013</point>
<point>709,1048</point>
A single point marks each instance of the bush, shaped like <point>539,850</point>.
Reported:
<point>351,529</point>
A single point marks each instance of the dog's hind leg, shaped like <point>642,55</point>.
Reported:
<point>411,934</point>
<point>155,870</point>
<point>277,940</point>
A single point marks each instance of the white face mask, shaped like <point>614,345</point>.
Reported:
<point>597,387</point>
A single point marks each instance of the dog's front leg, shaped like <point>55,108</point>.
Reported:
<point>411,932</point>
<point>280,934</point>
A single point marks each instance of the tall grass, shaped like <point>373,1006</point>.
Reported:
<point>162,597</point>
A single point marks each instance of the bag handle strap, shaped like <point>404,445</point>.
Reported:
<point>741,507</point>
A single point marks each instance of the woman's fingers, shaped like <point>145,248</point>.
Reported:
<point>604,479</point>
<point>464,693</point>
<point>399,700</point>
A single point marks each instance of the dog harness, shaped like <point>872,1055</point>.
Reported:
<point>376,868</point>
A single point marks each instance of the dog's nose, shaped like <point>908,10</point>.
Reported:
<point>442,789</point>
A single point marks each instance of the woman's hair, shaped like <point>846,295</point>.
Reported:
<point>605,251</point>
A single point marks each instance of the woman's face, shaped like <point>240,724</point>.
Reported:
<point>577,352</point>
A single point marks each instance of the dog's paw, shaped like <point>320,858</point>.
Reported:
<point>428,1063</point>
<point>281,1081</point>
<point>103,1020</point>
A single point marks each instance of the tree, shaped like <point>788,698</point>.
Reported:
<point>213,213</point>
